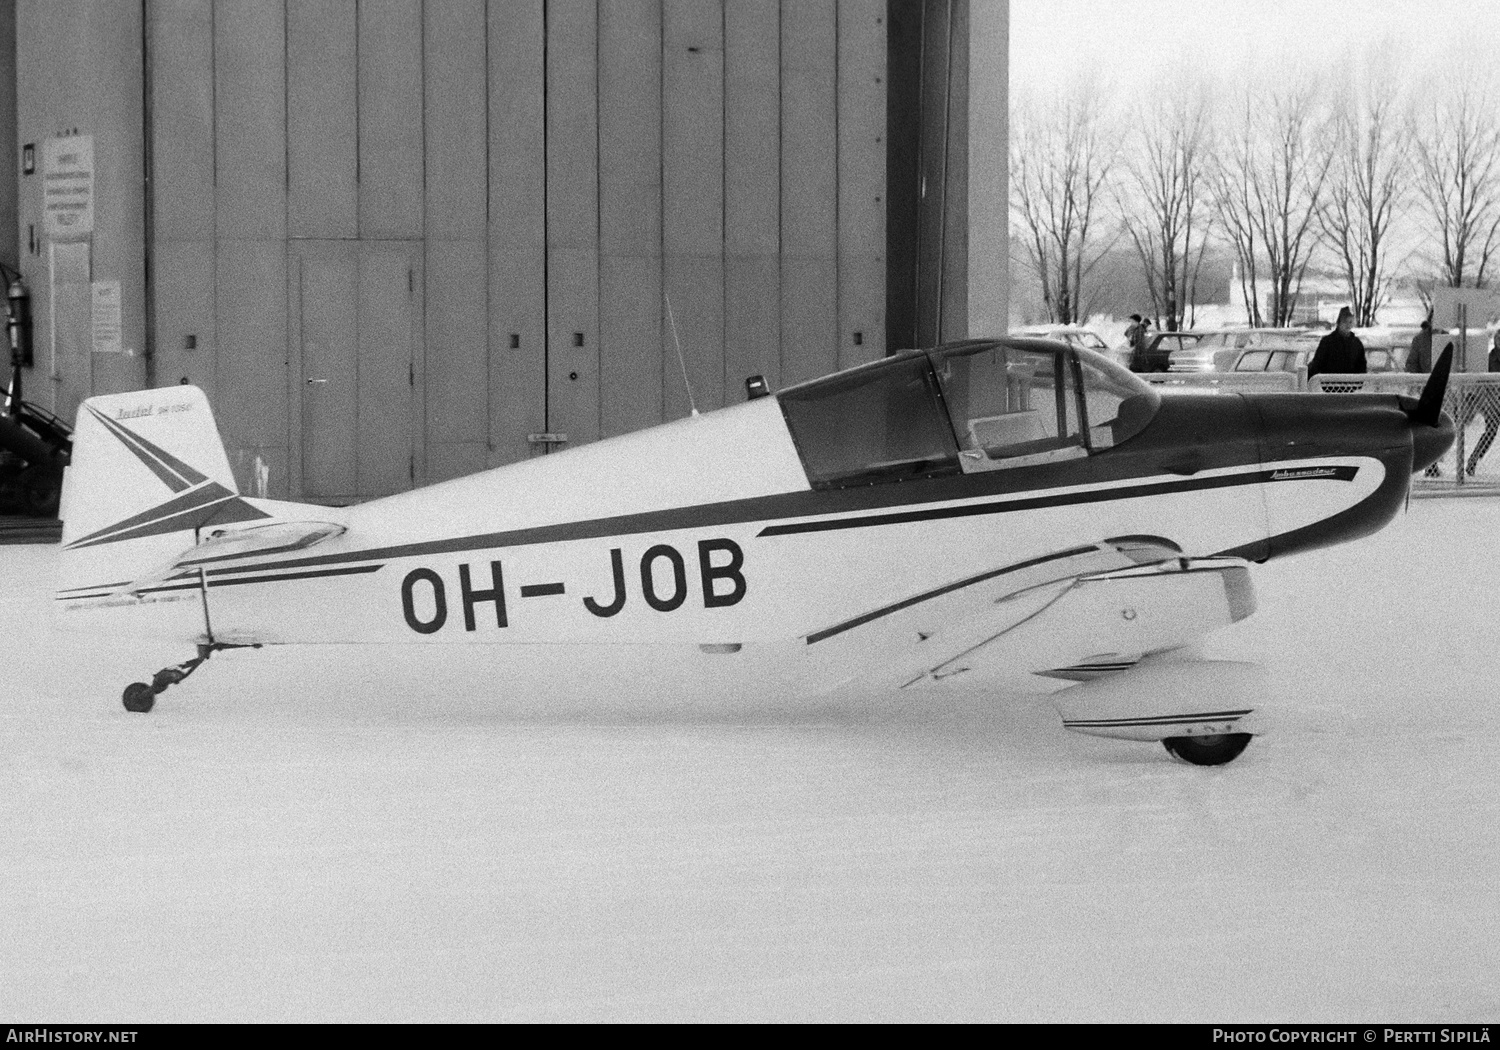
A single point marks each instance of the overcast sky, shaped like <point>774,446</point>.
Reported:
<point>1129,42</point>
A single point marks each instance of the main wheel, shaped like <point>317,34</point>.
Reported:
<point>139,697</point>
<point>1212,750</point>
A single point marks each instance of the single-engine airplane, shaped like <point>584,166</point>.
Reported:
<point>979,512</point>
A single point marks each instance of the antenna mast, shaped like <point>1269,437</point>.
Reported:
<point>681,363</point>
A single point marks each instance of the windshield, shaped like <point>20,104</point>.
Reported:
<point>1117,403</point>
<point>1007,402</point>
<point>1012,406</point>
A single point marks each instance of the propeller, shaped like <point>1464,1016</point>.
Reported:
<point>1430,407</point>
<point>1431,431</point>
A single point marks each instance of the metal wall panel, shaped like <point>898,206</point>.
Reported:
<point>693,202</point>
<point>454,459</point>
<point>988,208</point>
<point>390,322</point>
<point>752,194</point>
<point>456,331</point>
<point>323,292</point>
<point>572,220</point>
<point>183,343</point>
<point>182,105</point>
<point>10,214</point>
<point>517,229</point>
<point>390,119</point>
<point>455,340</point>
<point>250,283</point>
<point>185,324</point>
<point>932,198</point>
<point>809,189</point>
<point>955,218</point>
<point>322,145</point>
<point>861,175</point>
<point>456,111</point>
<point>903,65</point>
<point>71,357</point>
<point>251,378</point>
<point>630,312</point>
<point>250,125</point>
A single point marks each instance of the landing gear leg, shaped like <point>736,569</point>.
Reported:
<point>140,697</point>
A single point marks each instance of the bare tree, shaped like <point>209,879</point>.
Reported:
<point>1267,181</point>
<point>1458,179</point>
<point>1233,202</point>
<point>1367,189</point>
<point>1060,157</point>
<point>1164,196</point>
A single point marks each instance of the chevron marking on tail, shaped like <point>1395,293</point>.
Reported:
<point>198,500</point>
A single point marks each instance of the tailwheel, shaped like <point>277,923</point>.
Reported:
<point>1213,750</point>
<point>139,697</point>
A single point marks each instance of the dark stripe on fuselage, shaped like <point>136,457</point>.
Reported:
<point>191,580</point>
<point>1260,477</point>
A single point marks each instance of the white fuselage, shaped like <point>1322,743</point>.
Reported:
<point>704,531</point>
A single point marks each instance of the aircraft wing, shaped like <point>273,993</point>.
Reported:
<point>1077,614</point>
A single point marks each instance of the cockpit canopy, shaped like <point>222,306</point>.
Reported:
<point>964,407</point>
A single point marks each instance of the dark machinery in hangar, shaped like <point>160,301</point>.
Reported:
<point>35,445</point>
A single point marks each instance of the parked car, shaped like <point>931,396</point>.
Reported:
<point>1218,351</point>
<point>1386,348</point>
<point>1274,359</point>
<point>1076,335</point>
<point>1293,355</point>
<point>1162,345</point>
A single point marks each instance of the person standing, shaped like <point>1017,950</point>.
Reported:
<point>1489,410</point>
<point>1339,352</point>
<point>1135,336</point>
<point>1419,357</point>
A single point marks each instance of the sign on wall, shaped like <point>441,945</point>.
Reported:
<point>106,317</point>
<point>68,187</point>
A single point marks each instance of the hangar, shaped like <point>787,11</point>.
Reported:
<point>398,241</point>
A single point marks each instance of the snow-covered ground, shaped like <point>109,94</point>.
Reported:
<point>297,835</point>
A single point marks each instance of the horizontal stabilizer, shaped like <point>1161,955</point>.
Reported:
<point>231,545</point>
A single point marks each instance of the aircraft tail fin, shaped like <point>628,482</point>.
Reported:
<point>148,473</point>
<point>147,464</point>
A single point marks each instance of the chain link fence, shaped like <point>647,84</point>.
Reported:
<point>1472,465</point>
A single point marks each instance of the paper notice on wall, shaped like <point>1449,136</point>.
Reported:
<point>68,186</point>
<point>106,317</point>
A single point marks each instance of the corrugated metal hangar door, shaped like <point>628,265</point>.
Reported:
<point>397,240</point>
